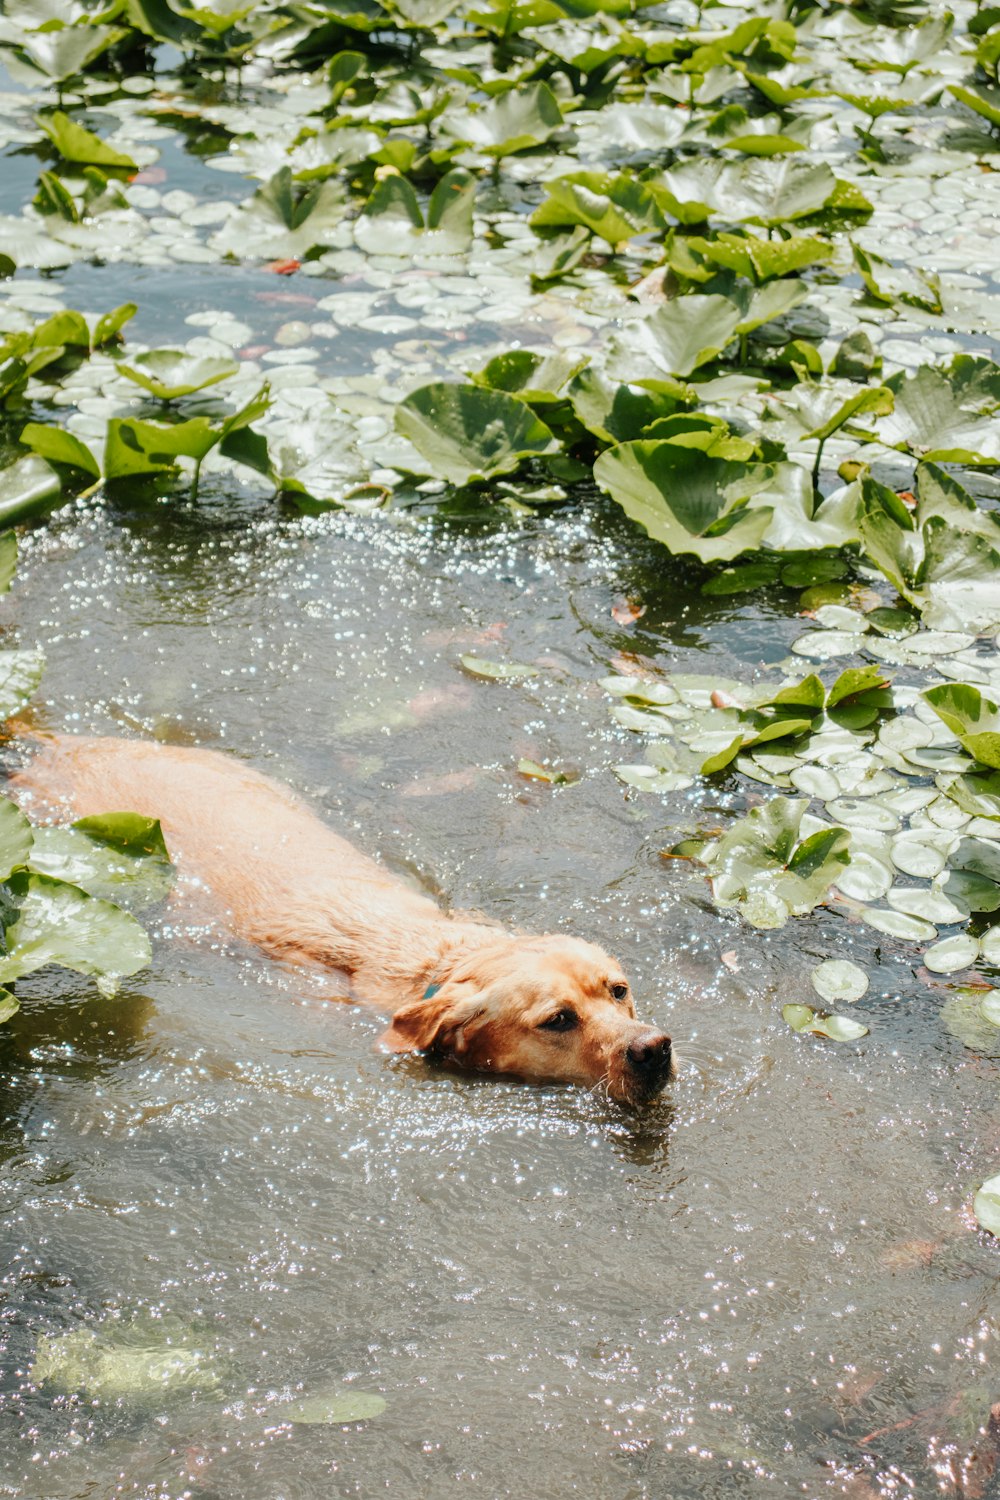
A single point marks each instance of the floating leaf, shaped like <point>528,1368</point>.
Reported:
<point>282,219</point>
<point>20,674</point>
<point>119,857</point>
<point>758,866</point>
<point>28,488</point>
<point>952,953</point>
<point>614,207</point>
<point>986,1205</point>
<point>143,1361</point>
<point>393,223</point>
<point>518,120</point>
<point>970,716</point>
<point>534,772</point>
<point>497,671</point>
<point>839,979</point>
<point>822,1023</point>
<point>59,447</point>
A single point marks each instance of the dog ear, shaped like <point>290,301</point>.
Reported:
<point>433,1025</point>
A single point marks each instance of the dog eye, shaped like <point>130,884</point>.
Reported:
<point>619,991</point>
<point>563,1020</point>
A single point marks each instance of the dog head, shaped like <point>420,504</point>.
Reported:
<point>548,1008</point>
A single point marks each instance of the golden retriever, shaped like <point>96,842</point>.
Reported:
<point>464,990</point>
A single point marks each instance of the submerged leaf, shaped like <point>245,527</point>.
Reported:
<point>336,1406</point>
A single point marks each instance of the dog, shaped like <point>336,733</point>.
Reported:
<point>459,989</point>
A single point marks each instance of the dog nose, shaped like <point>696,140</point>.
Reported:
<point>650,1055</point>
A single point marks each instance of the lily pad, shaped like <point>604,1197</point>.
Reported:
<point>112,1362</point>
<point>686,499</point>
<point>839,979</point>
<point>760,867</point>
<point>497,671</point>
<point>58,923</point>
<point>986,1205</point>
<point>972,717</point>
<point>823,1023</point>
<point>466,433</point>
<point>899,924</point>
<point>952,954</point>
<point>169,373</point>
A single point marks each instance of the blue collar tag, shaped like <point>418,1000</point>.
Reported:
<point>431,991</point>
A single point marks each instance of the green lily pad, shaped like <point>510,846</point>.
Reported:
<point>686,499</point>
<point>20,674</point>
<point>16,837</point>
<point>839,979</point>
<point>516,121</point>
<point>867,878</point>
<point>952,954</point>
<point>497,671</point>
<point>986,1205</point>
<point>899,924</point>
<point>465,433</point>
<point>823,1023</point>
<point>145,1361</point>
<point>969,715</point>
<point>760,867</point>
<point>119,857</point>
<point>75,144</point>
<point>60,924</point>
<point>169,373</point>
<point>28,487</point>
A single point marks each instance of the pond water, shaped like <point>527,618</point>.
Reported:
<point>768,1283</point>
<point>556,1298</point>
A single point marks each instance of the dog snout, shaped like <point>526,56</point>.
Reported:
<point>650,1057</point>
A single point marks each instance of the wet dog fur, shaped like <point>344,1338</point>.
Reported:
<point>468,991</point>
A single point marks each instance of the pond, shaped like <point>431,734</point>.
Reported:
<point>221,1200</point>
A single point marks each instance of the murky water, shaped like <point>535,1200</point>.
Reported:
<point>731,1292</point>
